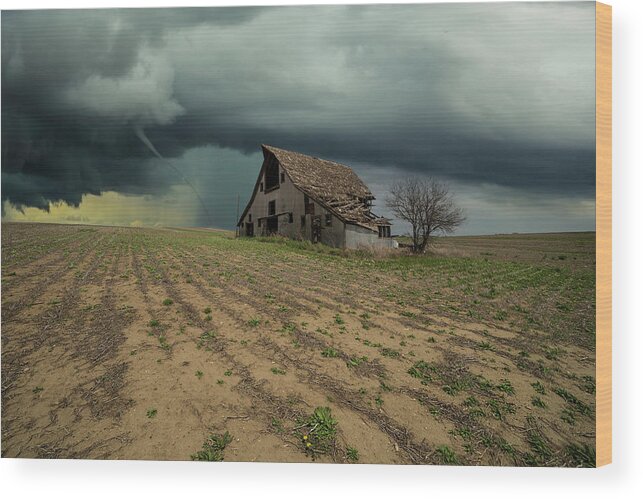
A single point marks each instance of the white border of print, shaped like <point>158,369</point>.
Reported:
<point>150,479</point>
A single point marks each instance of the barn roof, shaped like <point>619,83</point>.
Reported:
<point>319,177</point>
<point>333,185</point>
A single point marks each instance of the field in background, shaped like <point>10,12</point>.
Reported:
<point>171,344</point>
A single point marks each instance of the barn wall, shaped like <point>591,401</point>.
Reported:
<point>287,200</point>
<point>360,237</point>
<point>332,235</point>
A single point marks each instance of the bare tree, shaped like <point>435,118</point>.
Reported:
<point>428,206</point>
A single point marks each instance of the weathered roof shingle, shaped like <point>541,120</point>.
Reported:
<point>334,185</point>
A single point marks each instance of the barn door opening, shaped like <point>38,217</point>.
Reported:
<point>315,236</point>
<point>250,229</point>
<point>272,225</point>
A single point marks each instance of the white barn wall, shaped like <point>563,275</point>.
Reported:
<point>360,237</point>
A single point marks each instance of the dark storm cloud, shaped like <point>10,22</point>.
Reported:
<point>59,143</point>
<point>489,93</point>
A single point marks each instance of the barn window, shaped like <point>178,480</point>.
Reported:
<point>272,207</point>
<point>290,218</point>
<point>249,217</point>
<point>309,208</point>
<point>303,221</point>
<point>272,175</point>
<point>329,219</point>
<point>283,177</point>
<point>259,223</point>
<point>261,187</point>
<point>384,230</point>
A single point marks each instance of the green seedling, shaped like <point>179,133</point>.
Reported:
<point>213,448</point>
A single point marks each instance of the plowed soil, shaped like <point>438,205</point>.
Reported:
<point>130,343</point>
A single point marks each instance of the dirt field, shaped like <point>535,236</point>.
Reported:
<point>123,343</point>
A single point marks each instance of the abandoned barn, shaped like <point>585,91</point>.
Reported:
<point>308,198</point>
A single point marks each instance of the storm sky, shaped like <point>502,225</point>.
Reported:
<point>496,99</point>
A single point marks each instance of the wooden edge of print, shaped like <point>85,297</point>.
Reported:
<point>603,234</point>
